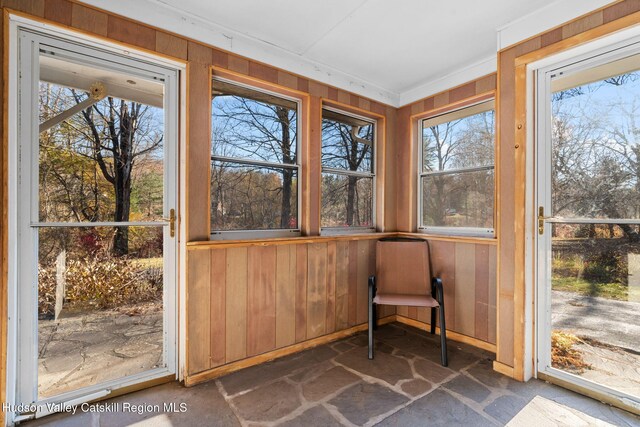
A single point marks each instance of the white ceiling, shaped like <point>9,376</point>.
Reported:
<point>383,49</point>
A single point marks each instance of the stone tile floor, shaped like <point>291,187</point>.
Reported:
<point>336,384</point>
<point>86,348</point>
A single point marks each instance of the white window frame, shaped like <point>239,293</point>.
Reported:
<point>276,232</point>
<point>458,113</point>
<point>327,231</point>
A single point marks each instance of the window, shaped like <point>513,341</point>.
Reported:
<point>254,163</point>
<point>456,183</point>
<point>348,176</point>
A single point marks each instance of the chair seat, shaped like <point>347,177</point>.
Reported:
<point>405,299</point>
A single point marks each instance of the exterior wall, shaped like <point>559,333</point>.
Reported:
<point>512,163</point>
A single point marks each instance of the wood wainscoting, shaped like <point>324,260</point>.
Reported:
<point>243,301</point>
<point>249,302</point>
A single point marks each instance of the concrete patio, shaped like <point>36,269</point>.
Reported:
<point>336,384</point>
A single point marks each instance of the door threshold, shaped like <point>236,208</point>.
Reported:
<point>101,394</point>
<point>592,390</point>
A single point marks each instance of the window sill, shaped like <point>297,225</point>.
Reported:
<point>488,240</point>
<point>346,231</point>
<point>206,244</point>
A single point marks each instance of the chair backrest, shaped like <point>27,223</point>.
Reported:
<point>402,266</point>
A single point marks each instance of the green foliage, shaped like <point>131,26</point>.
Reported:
<point>599,274</point>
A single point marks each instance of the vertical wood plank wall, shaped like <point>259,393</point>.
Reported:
<point>512,163</point>
<point>468,267</point>
<point>468,273</point>
<point>248,300</point>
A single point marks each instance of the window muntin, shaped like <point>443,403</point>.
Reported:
<point>254,161</point>
<point>456,183</point>
<point>348,171</point>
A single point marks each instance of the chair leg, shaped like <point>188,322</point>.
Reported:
<point>375,316</point>
<point>443,326</point>
<point>433,320</point>
<point>443,338</point>
<point>372,281</point>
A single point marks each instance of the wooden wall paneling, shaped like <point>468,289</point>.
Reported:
<point>217,307</point>
<point>316,290</point>
<point>313,171</point>
<point>58,11</point>
<point>404,216</point>
<point>353,282</point>
<point>582,24</point>
<point>492,296</point>
<point>506,85</point>
<point>465,284</point>
<point>486,84</point>
<point>462,92</point>
<point>362,277</point>
<point>444,266</point>
<point>171,45</point>
<point>403,311</point>
<point>301,292</point>
<point>481,297</point>
<point>130,32</point>
<point>619,10</point>
<point>88,19</point>
<point>33,7</point>
<point>287,79</point>
<point>285,295</point>
<point>198,150</point>
<point>198,311</point>
<point>236,297</point>
<point>261,299</point>
<point>238,64</point>
<point>441,99</point>
<point>263,72</point>
<point>342,285</point>
<point>390,196</point>
<point>519,224</point>
<point>330,323</point>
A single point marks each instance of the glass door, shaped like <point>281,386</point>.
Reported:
<point>589,223</point>
<point>97,222</point>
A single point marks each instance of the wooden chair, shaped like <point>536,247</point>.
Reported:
<point>403,277</point>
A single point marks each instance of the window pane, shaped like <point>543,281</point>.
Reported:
<point>460,143</point>
<point>245,197</point>
<point>347,143</point>
<point>101,164</point>
<point>100,314</point>
<point>595,296</point>
<point>463,199</point>
<point>596,150</point>
<point>347,201</point>
<point>251,125</point>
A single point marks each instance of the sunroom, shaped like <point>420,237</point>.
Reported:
<point>320,213</point>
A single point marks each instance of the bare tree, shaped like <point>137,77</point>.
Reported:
<point>118,134</point>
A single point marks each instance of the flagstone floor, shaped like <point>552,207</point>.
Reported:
<point>336,384</point>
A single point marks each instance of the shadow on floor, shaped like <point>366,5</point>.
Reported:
<point>336,384</point>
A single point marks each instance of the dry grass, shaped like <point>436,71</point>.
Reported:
<point>564,356</point>
<point>100,284</point>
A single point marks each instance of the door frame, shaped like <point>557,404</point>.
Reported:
<point>537,194</point>
<point>174,321</point>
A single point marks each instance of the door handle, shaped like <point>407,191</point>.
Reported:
<point>541,219</point>
<point>172,222</point>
